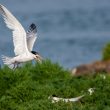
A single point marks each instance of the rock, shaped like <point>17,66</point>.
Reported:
<point>92,68</point>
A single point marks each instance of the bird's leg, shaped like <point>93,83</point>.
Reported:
<point>14,65</point>
<point>17,65</point>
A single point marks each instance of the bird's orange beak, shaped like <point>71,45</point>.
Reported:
<point>39,58</point>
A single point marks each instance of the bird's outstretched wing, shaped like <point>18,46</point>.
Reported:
<point>19,34</point>
<point>31,36</point>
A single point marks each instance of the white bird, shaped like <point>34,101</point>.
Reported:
<point>57,99</point>
<point>23,42</point>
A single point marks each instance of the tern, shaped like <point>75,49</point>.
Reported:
<point>23,41</point>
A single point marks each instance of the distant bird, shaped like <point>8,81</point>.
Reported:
<point>23,41</point>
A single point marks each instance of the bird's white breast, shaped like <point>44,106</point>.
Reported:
<point>24,57</point>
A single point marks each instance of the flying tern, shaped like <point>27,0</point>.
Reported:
<point>23,41</point>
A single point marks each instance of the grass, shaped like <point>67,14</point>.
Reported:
<point>29,87</point>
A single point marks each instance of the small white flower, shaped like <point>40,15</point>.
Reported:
<point>103,76</point>
<point>91,91</point>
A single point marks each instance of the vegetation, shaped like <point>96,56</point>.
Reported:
<point>106,52</point>
<point>29,87</point>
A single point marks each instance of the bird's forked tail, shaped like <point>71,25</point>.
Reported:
<point>8,61</point>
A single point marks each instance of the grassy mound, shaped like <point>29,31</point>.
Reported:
<point>28,88</point>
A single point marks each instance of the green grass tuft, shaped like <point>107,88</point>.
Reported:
<point>29,87</point>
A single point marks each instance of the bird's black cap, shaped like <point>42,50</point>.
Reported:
<point>35,53</point>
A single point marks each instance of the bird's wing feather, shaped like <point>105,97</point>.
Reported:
<point>19,34</point>
<point>31,36</point>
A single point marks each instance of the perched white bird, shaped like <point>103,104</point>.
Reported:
<point>23,42</point>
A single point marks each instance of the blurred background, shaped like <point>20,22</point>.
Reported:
<point>70,32</point>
